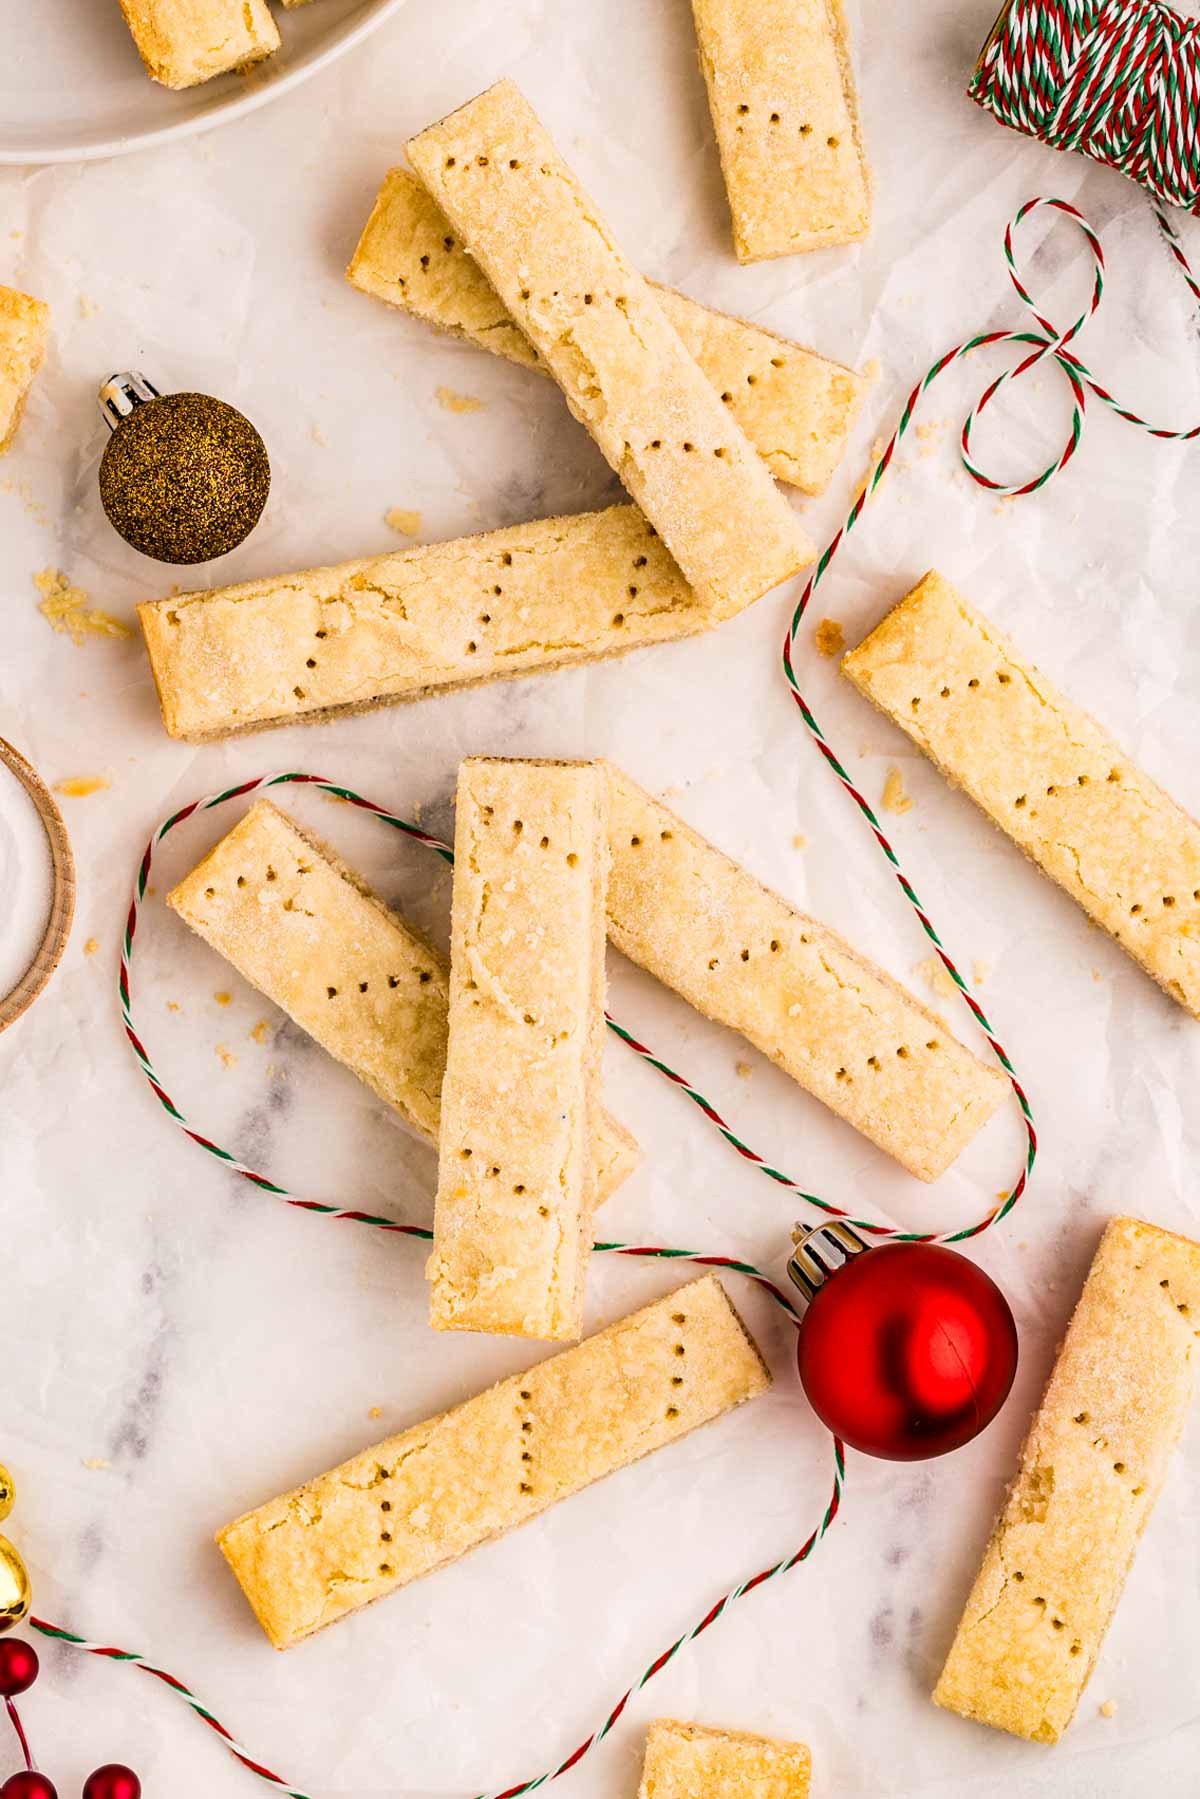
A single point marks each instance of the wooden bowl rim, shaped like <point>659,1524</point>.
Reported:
<point>62,903</point>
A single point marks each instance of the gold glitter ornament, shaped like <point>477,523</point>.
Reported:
<point>184,477</point>
<point>8,1492</point>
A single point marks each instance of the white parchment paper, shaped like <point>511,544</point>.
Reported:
<point>177,1347</point>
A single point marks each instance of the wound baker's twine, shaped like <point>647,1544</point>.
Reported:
<point>1118,80</point>
<point>1044,343</point>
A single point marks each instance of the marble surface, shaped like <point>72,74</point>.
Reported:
<point>178,1346</point>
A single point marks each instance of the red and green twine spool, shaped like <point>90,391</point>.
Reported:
<point>1118,80</point>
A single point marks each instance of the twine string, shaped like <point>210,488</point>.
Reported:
<point>106,1652</point>
<point>1118,80</point>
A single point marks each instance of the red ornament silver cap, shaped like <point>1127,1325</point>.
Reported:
<point>820,1250</point>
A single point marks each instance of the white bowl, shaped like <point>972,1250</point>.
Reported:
<point>73,87</point>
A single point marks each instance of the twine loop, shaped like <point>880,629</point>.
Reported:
<point>1118,80</point>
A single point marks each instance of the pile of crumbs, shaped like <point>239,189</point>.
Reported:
<point>69,609</point>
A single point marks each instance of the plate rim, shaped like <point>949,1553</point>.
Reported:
<point>236,107</point>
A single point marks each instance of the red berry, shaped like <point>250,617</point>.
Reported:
<point>28,1785</point>
<point>111,1782</point>
<point>18,1667</point>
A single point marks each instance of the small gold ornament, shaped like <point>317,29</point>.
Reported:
<point>15,1595</point>
<point>184,477</point>
<point>8,1492</point>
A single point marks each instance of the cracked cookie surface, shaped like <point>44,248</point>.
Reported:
<point>1043,771</point>
<point>299,648</point>
<point>746,958</point>
<point>494,171</point>
<point>1090,1472</point>
<point>425,1497</point>
<point>512,1229</point>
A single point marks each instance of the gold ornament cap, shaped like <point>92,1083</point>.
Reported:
<point>16,1596</point>
<point>8,1492</point>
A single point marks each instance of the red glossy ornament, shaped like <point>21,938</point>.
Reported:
<point>28,1785</point>
<point>112,1781</point>
<point>907,1350</point>
<point>18,1667</point>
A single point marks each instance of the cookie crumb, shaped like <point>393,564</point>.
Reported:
<point>376,1411</point>
<point>743,1070</point>
<point>799,842</point>
<point>95,1462</point>
<point>450,401</point>
<point>1109,1709</point>
<point>878,446</point>
<point>228,1059</point>
<point>981,971</point>
<point>261,1031</point>
<point>895,799</point>
<point>90,947</point>
<point>407,523</point>
<point>829,637</point>
<point>80,787</point>
<point>936,978</point>
<point>223,999</point>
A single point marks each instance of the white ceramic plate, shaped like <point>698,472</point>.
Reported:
<point>73,87</point>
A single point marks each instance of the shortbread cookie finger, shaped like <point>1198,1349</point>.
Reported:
<point>690,1761</point>
<point>797,408</point>
<point>435,1492</point>
<point>512,1229</point>
<point>309,646</point>
<point>1091,1469</point>
<point>745,958</point>
<point>602,334</point>
<point>24,329</point>
<point>309,933</point>
<point>1045,773</point>
<point>183,42</point>
<point>785,109</point>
